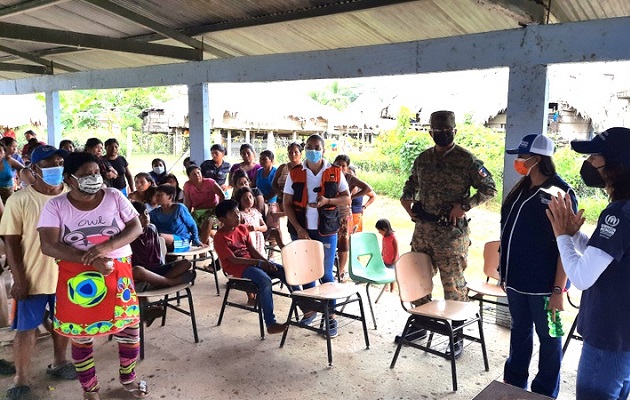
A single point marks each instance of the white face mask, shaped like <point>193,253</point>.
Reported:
<point>89,184</point>
<point>158,169</point>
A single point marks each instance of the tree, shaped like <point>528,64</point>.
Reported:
<point>336,95</point>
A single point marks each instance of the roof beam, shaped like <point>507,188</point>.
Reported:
<point>525,12</point>
<point>36,34</point>
<point>26,68</point>
<point>313,12</point>
<point>599,40</point>
<point>26,6</point>
<point>38,60</point>
<point>157,27</point>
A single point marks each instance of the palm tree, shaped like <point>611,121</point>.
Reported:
<point>336,95</point>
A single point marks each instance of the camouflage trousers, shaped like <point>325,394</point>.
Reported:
<point>448,249</point>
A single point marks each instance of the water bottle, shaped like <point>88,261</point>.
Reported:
<point>555,328</point>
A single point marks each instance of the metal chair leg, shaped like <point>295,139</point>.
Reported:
<point>193,318</point>
<point>367,291</point>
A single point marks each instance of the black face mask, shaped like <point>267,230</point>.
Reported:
<point>443,138</point>
<point>590,176</point>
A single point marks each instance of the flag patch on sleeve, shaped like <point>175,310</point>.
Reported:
<point>483,172</point>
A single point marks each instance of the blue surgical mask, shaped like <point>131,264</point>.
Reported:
<point>313,155</point>
<point>52,176</point>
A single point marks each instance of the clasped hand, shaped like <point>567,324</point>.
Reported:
<point>563,219</point>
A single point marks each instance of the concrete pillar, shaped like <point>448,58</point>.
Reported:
<point>216,136</point>
<point>271,142</point>
<point>247,136</point>
<point>53,111</point>
<point>294,137</point>
<point>199,122</point>
<point>528,100</point>
<point>229,143</point>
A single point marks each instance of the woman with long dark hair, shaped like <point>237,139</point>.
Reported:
<point>88,230</point>
<point>600,266</point>
<point>531,271</point>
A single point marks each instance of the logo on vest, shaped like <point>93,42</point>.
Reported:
<point>607,228</point>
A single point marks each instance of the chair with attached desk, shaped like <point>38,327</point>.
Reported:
<point>196,254</point>
<point>414,275</point>
<point>366,265</point>
<point>490,287</point>
<point>165,299</point>
<point>304,263</point>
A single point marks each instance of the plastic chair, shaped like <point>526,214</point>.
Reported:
<point>414,274</point>
<point>304,263</point>
<point>248,286</point>
<point>165,297</point>
<point>373,271</point>
<point>487,288</point>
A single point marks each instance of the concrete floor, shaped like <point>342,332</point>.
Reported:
<point>232,362</point>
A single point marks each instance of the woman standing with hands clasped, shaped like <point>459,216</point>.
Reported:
<point>600,266</point>
<point>530,267</point>
<point>88,230</point>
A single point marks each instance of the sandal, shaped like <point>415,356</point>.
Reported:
<point>19,393</point>
<point>139,389</point>
<point>91,395</point>
<point>64,371</point>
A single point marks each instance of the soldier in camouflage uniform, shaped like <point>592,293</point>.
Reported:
<point>437,196</point>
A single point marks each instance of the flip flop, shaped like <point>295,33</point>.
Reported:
<point>64,371</point>
<point>6,368</point>
<point>139,389</point>
<point>19,393</point>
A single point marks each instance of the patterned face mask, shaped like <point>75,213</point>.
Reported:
<point>89,184</point>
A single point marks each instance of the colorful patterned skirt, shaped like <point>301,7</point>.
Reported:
<point>89,304</point>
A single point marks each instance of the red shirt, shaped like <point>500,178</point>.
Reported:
<point>233,243</point>
<point>390,249</point>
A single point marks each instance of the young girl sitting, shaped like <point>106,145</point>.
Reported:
<point>252,218</point>
<point>145,189</point>
<point>389,251</point>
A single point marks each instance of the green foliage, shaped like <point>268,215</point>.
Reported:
<point>336,95</point>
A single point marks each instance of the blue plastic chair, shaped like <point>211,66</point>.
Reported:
<point>366,265</point>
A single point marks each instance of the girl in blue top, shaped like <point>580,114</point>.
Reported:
<point>173,221</point>
<point>600,267</point>
<point>7,174</point>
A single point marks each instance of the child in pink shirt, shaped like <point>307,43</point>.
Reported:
<point>389,250</point>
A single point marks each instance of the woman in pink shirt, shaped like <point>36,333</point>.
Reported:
<point>201,196</point>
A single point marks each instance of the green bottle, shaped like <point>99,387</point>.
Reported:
<point>555,328</point>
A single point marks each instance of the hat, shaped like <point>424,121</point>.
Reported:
<point>442,118</point>
<point>537,144</point>
<point>10,133</point>
<point>613,144</point>
<point>44,152</point>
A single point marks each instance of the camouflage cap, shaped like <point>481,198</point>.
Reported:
<point>442,118</point>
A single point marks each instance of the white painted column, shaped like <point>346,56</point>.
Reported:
<point>294,136</point>
<point>247,136</point>
<point>53,111</point>
<point>528,100</point>
<point>271,142</point>
<point>216,136</point>
<point>229,143</point>
<point>199,122</point>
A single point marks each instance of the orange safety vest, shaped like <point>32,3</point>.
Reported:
<point>328,216</point>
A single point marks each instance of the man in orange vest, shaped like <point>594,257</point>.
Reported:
<point>312,193</point>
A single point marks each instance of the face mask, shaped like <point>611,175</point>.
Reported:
<point>90,184</point>
<point>591,176</point>
<point>52,176</point>
<point>443,138</point>
<point>519,166</point>
<point>158,169</point>
<point>314,155</point>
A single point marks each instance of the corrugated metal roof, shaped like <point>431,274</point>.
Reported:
<point>240,27</point>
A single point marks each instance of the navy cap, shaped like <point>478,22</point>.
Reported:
<point>44,152</point>
<point>613,144</point>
